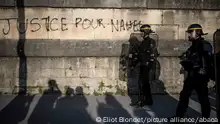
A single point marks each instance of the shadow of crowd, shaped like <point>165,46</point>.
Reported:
<point>73,107</point>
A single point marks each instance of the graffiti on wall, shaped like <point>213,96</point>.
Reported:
<point>61,24</point>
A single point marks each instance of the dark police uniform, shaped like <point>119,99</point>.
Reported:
<point>147,52</point>
<point>196,63</point>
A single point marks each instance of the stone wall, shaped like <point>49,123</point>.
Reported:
<point>63,29</point>
<point>82,46</point>
<point>145,4</point>
<point>94,74</point>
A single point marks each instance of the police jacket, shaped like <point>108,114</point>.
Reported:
<point>147,52</point>
<point>198,56</point>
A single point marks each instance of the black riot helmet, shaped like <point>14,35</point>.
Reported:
<point>195,31</point>
<point>146,29</point>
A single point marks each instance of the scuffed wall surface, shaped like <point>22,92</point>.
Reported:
<point>54,23</point>
<point>149,4</point>
<point>77,48</point>
<point>72,30</point>
<point>94,74</point>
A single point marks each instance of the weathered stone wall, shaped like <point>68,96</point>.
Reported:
<point>82,46</point>
<point>47,29</point>
<point>146,4</point>
<point>94,74</point>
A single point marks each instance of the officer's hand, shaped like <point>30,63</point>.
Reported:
<point>202,71</point>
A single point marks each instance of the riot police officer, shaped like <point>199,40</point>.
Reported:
<point>147,52</point>
<point>196,62</point>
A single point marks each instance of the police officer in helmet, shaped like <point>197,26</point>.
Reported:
<point>146,57</point>
<point>196,63</point>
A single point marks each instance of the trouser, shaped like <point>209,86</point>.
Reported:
<point>199,84</point>
<point>144,85</point>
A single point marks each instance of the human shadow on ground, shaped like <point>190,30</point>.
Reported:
<point>112,109</point>
<point>43,113</point>
<point>16,110</point>
<point>212,98</point>
<point>164,103</point>
<point>20,47</point>
<point>72,108</point>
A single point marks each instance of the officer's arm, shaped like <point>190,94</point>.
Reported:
<point>155,52</point>
<point>133,60</point>
<point>207,56</point>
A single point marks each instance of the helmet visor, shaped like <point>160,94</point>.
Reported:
<point>191,35</point>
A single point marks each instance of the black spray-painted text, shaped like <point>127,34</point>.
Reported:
<point>62,24</point>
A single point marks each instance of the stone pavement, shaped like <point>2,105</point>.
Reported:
<point>57,109</point>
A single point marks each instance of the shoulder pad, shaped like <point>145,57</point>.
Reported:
<point>152,39</point>
<point>153,42</point>
<point>207,46</point>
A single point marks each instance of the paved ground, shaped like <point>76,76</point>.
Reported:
<point>56,109</point>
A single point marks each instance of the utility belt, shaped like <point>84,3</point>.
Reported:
<point>194,69</point>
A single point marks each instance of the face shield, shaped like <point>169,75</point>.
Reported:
<point>155,37</point>
<point>140,36</point>
<point>191,35</point>
<point>146,33</point>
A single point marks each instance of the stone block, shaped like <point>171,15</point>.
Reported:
<point>113,73</point>
<point>71,63</point>
<point>87,62</point>
<point>34,3</point>
<point>100,73</point>
<point>8,3</point>
<point>114,62</point>
<point>111,3</point>
<point>3,48</point>
<point>9,62</point>
<point>74,82</point>
<point>8,83</point>
<point>73,3</point>
<point>160,4</point>
<point>73,73</point>
<point>165,3</point>
<point>153,4</point>
<point>33,72</point>
<point>211,4</point>
<point>86,3</point>
<point>52,63</point>
<point>35,62</point>
<point>2,3</point>
<point>168,17</point>
<point>167,32</point>
<point>102,62</point>
<point>94,3</point>
<point>55,48</point>
<point>52,73</point>
<point>36,48</point>
<point>56,3</point>
<point>134,3</point>
<point>85,73</point>
<point>8,48</point>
